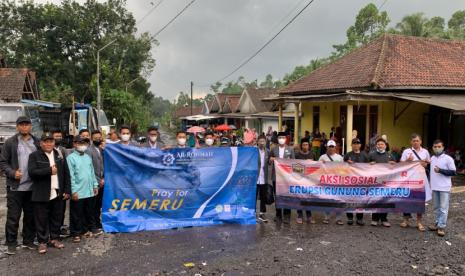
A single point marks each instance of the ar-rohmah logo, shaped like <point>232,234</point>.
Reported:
<point>168,159</point>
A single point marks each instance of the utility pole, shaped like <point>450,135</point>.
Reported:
<point>99,98</point>
<point>192,92</point>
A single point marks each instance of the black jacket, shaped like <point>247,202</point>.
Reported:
<point>41,172</point>
<point>9,159</point>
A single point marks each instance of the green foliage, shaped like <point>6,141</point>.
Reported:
<point>184,99</point>
<point>60,42</point>
<point>457,25</point>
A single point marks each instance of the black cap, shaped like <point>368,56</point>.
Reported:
<point>78,139</point>
<point>23,119</point>
<point>356,141</point>
<point>281,133</point>
<point>46,136</point>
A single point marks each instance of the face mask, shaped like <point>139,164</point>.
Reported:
<point>97,143</point>
<point>438,151</point>
<point>209,142</point>
<point>153,139</point>
<point>58,142</point>
<point>125,137</point>
<point>182,141</point>
<point>381,150</point>
<point>281,141</point>
<point>81,148</point>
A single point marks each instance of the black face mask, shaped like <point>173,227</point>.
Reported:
<point>58,142</point>
<point>97,143</point>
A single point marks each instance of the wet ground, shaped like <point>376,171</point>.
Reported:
<point>261,249</point>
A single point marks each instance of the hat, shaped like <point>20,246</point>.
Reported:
<point>23,119</point>
<point>281,133</point>
<point>79,139</point>
<point>356,141</point>
<point>331,143</point>
<point>46,136</point>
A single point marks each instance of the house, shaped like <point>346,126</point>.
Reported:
<point>395,85</point>
<point>18,84</point>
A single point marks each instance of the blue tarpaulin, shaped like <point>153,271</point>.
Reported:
<point>149,189</point>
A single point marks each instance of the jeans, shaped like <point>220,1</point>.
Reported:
<point>441,207</point>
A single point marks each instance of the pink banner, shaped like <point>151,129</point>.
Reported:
<point>343,187</point>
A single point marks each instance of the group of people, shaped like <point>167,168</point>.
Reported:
<point>42,176</point>
<point>440,168</point>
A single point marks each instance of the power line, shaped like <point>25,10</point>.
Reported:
<point>149,12</point>
<point>267,43</point>
<point>174,18</point>
<point>379,8</point>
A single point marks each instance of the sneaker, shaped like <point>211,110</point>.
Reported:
<point>339,222</point>
<point>360,222</point>
<point>76,239</point>
<point>262,218</point>
<point>350,221</point>
<point>433,227</point>
<point>97,232</point>
<point>374,223</point>
<point>441,232</point>
<point>386,224</point>
<point>299,220</point>
<point>42,248</point>
<point>30,246</point>
<point>404,223</point>
<point>11,250</point>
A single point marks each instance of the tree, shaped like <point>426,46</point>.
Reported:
<point>369,24</point>
<point>60,43</point>
<point>268,82</point>
<point>413,25</point>
<point>457,25</point>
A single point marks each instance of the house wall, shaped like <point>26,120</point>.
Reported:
<point>398,133</point>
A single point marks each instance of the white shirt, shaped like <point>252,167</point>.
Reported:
<point>336,158</point>
<point>54,180</point>
<point>281,152</point>
<point>422,153</point>
<point>440,182</point>
<point>261,176</point>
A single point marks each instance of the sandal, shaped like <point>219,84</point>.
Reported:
<point>42,248</point>
<point>326,221</point>
<point>404,224</point>
<point>420,227</point>
<point>76,239</point>
<point>57,244</point>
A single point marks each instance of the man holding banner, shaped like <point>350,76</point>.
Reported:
<point>380,156</point>
<point>415,154</point>
<point>282,151</point>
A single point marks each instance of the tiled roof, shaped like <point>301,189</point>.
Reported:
<point>390,62</point>
<point>186,111</point>
<point>232,102</point>
<point>256,96</point>
<point>14,82</point>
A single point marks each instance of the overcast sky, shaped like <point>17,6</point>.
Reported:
<point>213,36</point>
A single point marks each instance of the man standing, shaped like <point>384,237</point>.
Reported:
<point>305,154</point>
<point>356,156</point>
<point>282,151</point>
<point>442,170</point>
<point>418,154</point>
<point>58,137</point>
<point>125,134</point>
<point>209,140</point>
<point>95,152</point>
<point>153,139</point>
<point>380,156</point>
<point>331,156</point>
<point>50,189</point>
<point>84,187</point>
<point>84,133</point>
<point>263,156</point>
<point>14,163</point>
<point>316,143</point>
<point>181,139</point>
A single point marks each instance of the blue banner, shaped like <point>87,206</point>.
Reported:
<point>149,189</point>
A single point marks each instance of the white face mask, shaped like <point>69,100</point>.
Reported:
<point>209,142</point>
<point>125,137</point>
<point>81,148</point>
<point>182,141</point>
<point>281,141</point>
<point>381,150</point>
<point>153,139</point>
<point>438,151</point>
